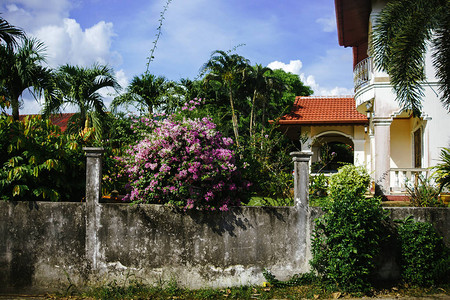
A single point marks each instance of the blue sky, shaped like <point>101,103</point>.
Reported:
<point>296,35</point>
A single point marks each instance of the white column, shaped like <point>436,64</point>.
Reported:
<point>358,153</point>
<point>372,155</point>
<point>382,133</point>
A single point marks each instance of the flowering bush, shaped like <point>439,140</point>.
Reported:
<point>184,162</point>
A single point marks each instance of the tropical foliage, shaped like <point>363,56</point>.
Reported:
<point>21,69</point>
<point>37,162</point>
<point>401,37</point>
<point>424,257</point>
<point>147,92</point>
<point>10,34</point>
<point>79,86</point>
<point>228,71</point>
<point>238,98</point>
<point>443,170</point>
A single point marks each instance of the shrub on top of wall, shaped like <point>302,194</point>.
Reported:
<point>424,258</point>
<point>185,162</point>
<point>346,239</point>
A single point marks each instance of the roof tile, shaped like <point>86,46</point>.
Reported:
<point>60,120</point>
<point>324,110</point>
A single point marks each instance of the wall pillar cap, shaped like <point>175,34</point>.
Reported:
<point>301,155</point>
<point>93,151</point>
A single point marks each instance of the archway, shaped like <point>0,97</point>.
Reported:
<point>331,151</point>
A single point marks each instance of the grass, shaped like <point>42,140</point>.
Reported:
<point>137,290</point>
<point>313,201</point>
<point>269,201</point>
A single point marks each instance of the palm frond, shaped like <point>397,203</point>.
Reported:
<point>441,56</point>
<point>10,34</point>
<point>400,39</point>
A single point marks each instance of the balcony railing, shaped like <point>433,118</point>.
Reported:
<point>400,176</point>
<point>362,73</point>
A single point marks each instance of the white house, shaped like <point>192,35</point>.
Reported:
<point>392,144</point>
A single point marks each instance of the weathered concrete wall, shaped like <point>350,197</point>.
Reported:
<point>41,245</point>
<point>44,245</point>
<point>200,248</point>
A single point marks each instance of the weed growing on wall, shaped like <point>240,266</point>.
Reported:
<point>184,162</point>
<point>346,239</point>
<point>424,257</point>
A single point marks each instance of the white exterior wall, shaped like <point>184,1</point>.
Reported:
<point>394,148</point>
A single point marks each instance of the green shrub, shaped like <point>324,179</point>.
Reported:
<point>424,257</point>
<point>318,186</point>
<point>350,181</point>
<point>346,239</point>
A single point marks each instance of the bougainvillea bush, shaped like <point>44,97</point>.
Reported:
<point>185,162</point>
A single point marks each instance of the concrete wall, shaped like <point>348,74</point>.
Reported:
<point>44,246</point>
<point>41,244</point>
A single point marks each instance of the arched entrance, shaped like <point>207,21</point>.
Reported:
<point>331,151</point>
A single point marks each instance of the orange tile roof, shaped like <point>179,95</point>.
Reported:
<point>315,110</point>
<point>60,120</point>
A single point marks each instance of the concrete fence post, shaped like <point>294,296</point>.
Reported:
<point>93,174</point>
<point>93,209</point>
<point>301,178</point>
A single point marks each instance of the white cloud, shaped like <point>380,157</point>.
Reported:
<point>71,44</point>
<point>108,94</point>
<point>32,14</point>
<point>295,67</point>
<point>328,24</point>
<point>324,91</point>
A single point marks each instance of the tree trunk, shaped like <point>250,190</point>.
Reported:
<point>252,111</point>
<point>15,107</point>
<point>233,117</point>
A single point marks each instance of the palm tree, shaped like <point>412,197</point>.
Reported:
<point>21,69</point>
<point>79,86</point>
<point>230,70</point>
<point>400,38</point>
<point>146,91</point>
<point>9,33</point>
<point>262,83</point>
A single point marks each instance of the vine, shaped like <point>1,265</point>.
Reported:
<point>158,34</point>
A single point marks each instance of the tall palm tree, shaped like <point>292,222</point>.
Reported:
<point>9,34</point>
<point>146,91</point>
<point>230,70</point>
<point>80,86</point>
<point>400,37</point>
<point>21,69</point>
<point>262,83</point>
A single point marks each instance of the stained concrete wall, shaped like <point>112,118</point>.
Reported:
<point>41,244</point>
<point>44,246</point>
